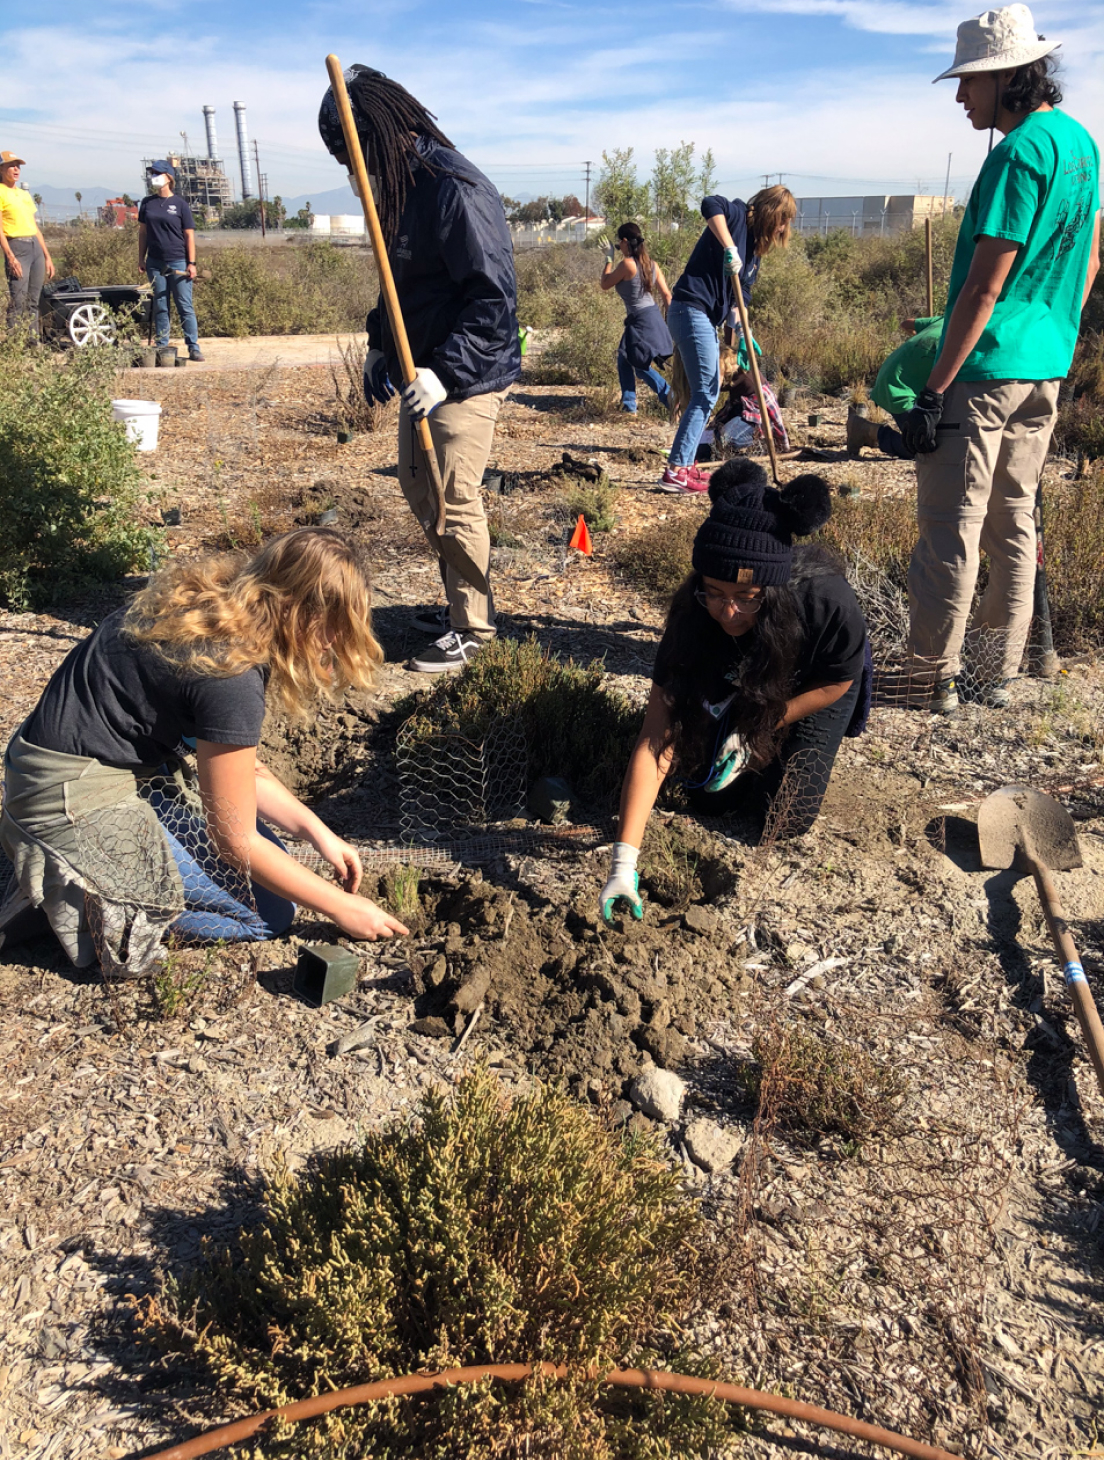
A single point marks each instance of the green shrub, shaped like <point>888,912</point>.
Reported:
<point>584,350</point>
<point>595,501</point>
<point>69,479</point>
<point>1073,522</point>
<point>97,255</point>
<point>480,1232</point>
<point>546,277</point>
<point>573,725</point>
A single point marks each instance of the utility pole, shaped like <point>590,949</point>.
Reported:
<point>586,205</point>
<point>260,184</point>
<point>766,179</point>
<point>947,184</point>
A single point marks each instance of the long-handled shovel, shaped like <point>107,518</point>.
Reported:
<point>768,434</point>
<point>444,545</point>
<point>1017,821</point>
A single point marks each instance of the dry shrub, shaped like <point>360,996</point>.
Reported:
<point>877,530</point>
<point>584,350</point>
<point>1079,430</point>
<point>355,410</point>
<point>479,1232</point>
<point>815,1086</point>
<point>1073,521</point>
<point>658,559</point>
<point>574,726</point>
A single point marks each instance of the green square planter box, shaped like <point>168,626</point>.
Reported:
<point>324,973</point>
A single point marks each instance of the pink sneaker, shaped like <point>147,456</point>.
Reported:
<point>682,480</point>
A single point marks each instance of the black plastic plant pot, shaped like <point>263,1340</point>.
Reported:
<point>324,972</point>
<point>816,419</point>
<point>344,437</point>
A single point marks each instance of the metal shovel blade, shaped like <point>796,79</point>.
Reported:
<point>1003,818</point>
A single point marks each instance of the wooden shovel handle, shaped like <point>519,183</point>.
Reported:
<point>1087,1015</point>
<point>386,278</point>
<point>749,344</point>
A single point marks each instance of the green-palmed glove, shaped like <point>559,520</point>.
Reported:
<point>624,882</point>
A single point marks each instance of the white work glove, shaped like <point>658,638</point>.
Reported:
<point>731,758</point>
<point>424,394</point>
<point>624,882</point>
<point>733,263</point>
<point>377,382</point>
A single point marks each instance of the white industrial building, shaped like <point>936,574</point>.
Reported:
<point>874,214</point>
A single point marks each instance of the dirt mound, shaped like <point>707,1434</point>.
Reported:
<point>575,999</point>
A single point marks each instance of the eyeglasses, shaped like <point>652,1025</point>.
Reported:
<point>714,602</point>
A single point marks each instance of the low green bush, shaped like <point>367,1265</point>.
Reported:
<point>574,726</point>
<point>584,349</point>
<point>658,559</point>
<point>70,487</point>
<point>595,501</point>
<point>479,1232</point>
<point>98,255</point>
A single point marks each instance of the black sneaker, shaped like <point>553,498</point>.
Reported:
<point>994,694</point>
<point>433,621</point>
<point>450,651</point>
<point>195,354</point>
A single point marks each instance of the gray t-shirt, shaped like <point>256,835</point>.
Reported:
<point>121,703</point>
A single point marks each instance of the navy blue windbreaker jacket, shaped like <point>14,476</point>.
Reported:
<point>453,262</point>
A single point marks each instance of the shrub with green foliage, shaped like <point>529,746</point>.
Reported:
<point>70,487</point>
<point>584,350</point>
<point>595,501</point>
<point>658,559</point>
<point>98,255</point>
<point>574,726</point>
<point>481,1232</point>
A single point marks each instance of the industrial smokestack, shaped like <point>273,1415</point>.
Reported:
<point>243,150</point>
<point>209,123</point>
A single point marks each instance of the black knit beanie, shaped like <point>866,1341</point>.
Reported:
<point>748,536</point>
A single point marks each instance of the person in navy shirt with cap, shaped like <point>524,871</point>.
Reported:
<point>166,254</point>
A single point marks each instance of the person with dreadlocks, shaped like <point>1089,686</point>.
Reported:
<point>645,341</point>
<point>1027,254</point>
<point>452,258</point>
<point>763,668</point>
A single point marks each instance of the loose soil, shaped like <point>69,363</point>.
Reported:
<point>945,1277</point>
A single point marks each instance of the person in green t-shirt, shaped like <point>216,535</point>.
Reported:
<point>900,380</point>
<point>1027,254</point>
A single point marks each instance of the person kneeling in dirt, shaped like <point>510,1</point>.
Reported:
<point>900,380</point>
<point>107,837</point>
<point>738,421</point>
<point>760,673</point>
<point>452,257</point>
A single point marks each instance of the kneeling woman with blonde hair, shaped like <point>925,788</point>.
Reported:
<point>107,837</point>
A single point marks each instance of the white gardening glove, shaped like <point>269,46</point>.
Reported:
<point>733,263</point>
<point>624,882</point>
<point>732,757</point>
<point>424,394</point>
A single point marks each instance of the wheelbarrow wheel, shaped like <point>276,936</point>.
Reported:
<point>91,324</point>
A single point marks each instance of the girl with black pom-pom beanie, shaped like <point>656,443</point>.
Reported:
<point>762,670</point>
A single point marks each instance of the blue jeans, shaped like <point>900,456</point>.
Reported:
<point>180,287</point>
<point>628,378</point>
<point>218,901</point>
<point>696,341</point>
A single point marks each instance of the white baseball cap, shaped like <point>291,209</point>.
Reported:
<point>998,40</point>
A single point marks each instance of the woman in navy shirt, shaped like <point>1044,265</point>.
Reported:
<point>735,240</point>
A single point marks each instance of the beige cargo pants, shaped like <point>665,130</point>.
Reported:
<point>462,433</point>
<point>977,492</point>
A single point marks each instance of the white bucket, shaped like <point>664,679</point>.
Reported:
<point>141,419</point>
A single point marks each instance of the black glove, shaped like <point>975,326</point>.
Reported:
<point>918,427</point>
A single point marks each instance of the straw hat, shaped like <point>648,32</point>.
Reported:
<point>998,40</point>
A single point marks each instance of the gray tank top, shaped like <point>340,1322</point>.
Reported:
<point>633,294</point>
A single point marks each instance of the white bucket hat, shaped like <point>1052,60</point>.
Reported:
<point>998,40</point>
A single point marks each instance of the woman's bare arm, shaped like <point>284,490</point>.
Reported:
<point>649,765</point>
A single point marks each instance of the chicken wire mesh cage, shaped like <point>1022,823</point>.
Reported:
<point>451,785</point>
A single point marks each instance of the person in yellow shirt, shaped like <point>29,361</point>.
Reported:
<point>27,260</point>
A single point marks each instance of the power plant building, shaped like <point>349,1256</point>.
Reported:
<point>202,180</point>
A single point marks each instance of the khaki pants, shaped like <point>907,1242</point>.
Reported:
<point>977,491</point>
<point>462,433</point>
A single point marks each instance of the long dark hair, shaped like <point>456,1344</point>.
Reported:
<point>1032,86</point>
<point>633,236</point>
<point>386,116</point>
<point>764,664</point>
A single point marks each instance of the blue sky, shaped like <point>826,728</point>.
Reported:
<point>834,94</point>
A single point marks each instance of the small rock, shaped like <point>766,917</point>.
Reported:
<point>473,990</point>
<point>434,1026</point>
<point>638,1125</point>
<point>711,1146</point>
<point>701,920</point>
<point>620,1113</point>
<point>658,1093</point>
<point>437,971</point>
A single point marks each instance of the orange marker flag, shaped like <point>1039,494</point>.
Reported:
<point>580,538</point>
